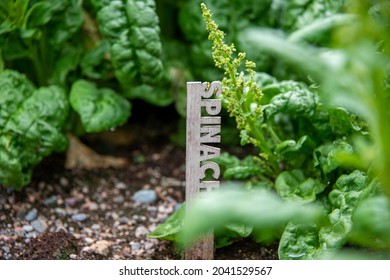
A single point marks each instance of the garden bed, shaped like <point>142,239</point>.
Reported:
<point>90,214</point>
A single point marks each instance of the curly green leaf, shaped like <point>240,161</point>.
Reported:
<point>99,109</point>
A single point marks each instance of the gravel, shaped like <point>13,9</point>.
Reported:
<point>141,231</point>
<point>80,217</point>
<point>101,247</point>
<point>119,199</point>
<point>120,186</point>
<point>31,215</point>
<point>148,245</point>
<point>50,200</point>
<point>145,196</point>
<point>97,214</point>
<point>28,228</point>
<point>124,220</point>
<point>107,213</point>
<point>95,227</point>
<point>135,246</point>
<point>88,241</point>
<point>39,225</point>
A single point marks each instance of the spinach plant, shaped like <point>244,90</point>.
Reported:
<point>321,140</point>
<point>71,66</point>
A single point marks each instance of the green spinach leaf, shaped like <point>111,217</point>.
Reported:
<point>31,128</point>
<point>99,109</point>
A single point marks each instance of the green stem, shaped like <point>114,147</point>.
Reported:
<point>274,136</point>
<point>1,62</point>
<point>262,144</point>
<point>39,58</point>
<point>232,73</point>
<point>44,56</point>
<point>40,73</point>
<point>383,139</point>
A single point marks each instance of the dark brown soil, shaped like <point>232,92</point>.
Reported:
<point>113,225</point>
<point>52,246</point>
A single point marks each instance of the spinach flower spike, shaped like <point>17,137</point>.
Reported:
<point>241,93</point>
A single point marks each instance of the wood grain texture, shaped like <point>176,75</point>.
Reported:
<point>194,90</point>
<point>203,249</point>
<point>200,130</point>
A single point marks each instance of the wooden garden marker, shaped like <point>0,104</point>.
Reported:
<point>203,128</point>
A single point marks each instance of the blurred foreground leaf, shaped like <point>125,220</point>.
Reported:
<point>260,209</point>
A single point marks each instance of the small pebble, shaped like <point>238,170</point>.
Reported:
<point>162,217</point>
<point>88,240</point>
<point>80,217</point>
<point>39,225</point>
<point>19,231</point>
<point>28,228</point>
<point>95,227</point>
<point>60,212</point>
<point>155,157</point>
<point>138,218</point>
<point>120,186</point>
<point>31,235</point>
<point>71,201</point>
<point>126,251</point>
<point>93,206</point>
<point>145,196</point>
<point>170,182</point>
<point>148,245</point>
<point>102,247</point>
<point>70,211</point>
<point>31,215</point>
<point>86,249</point>
<point>123,220</point>
<point>119,199</point>
<point>88,231</point>
<point>152,208</point>
<point>165,209</point>
<point>152,227</point>
<point>141,231</point>
<point>50,200</point>
<point>64,182</point>
<point>114,216</point>
<point>135,246</point>
<point>73,256</point>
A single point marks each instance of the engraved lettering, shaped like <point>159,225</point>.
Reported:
<point>212,106</point>
<point>208,152</point>
<point>210,120</point>
<point>203,127</point>
<point>208,185</point>
<point>210,134</point>
<point>215,88</point>
<point>210,165</point>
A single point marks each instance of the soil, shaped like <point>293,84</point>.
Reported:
<point>90,214</point>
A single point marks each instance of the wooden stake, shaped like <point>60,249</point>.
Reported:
<point>202,130</point>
